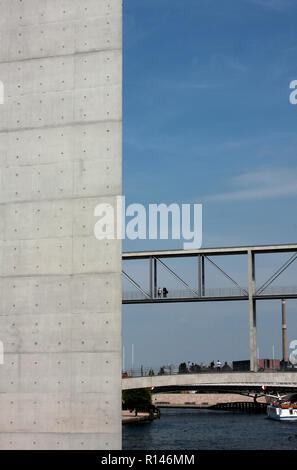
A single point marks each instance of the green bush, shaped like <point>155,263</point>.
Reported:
<point>140,399</point>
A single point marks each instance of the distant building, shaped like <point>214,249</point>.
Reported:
<point>241,366</point>
<point>263,364</point>
<point>269,364</point>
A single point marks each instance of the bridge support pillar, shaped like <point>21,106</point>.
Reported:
<point>152,293</point>
<point>284,332</point>
<point>199,275</point>
<point>155,277</point>
<point>203,275</point>
<point>252,312</point>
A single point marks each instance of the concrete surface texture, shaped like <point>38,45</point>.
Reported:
<point>60,155</point>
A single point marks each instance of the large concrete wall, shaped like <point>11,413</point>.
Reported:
<point>60,155</point>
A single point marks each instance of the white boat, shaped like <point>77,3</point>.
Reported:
<point>280,413</point>
<point>282,408</point>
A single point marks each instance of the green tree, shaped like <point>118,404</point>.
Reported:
<point>140,399</point>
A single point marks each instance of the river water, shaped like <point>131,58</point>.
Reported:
<point>210,430</point>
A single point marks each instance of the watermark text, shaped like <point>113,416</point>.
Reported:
<point>160,221</point>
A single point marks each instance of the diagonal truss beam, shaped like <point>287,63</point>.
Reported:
<point>177,277</point>
<point>277,273</point>
<point>227,275</point>
<point>134,283</point>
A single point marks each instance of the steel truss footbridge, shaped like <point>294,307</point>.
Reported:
<point>202,292</point>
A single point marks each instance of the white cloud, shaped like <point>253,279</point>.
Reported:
<point>259,185</point>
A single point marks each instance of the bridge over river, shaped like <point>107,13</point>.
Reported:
<point>244,383</point>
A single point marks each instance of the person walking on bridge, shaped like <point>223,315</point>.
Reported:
<point>219,365</point>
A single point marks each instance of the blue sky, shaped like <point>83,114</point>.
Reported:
<point>207,119</point>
